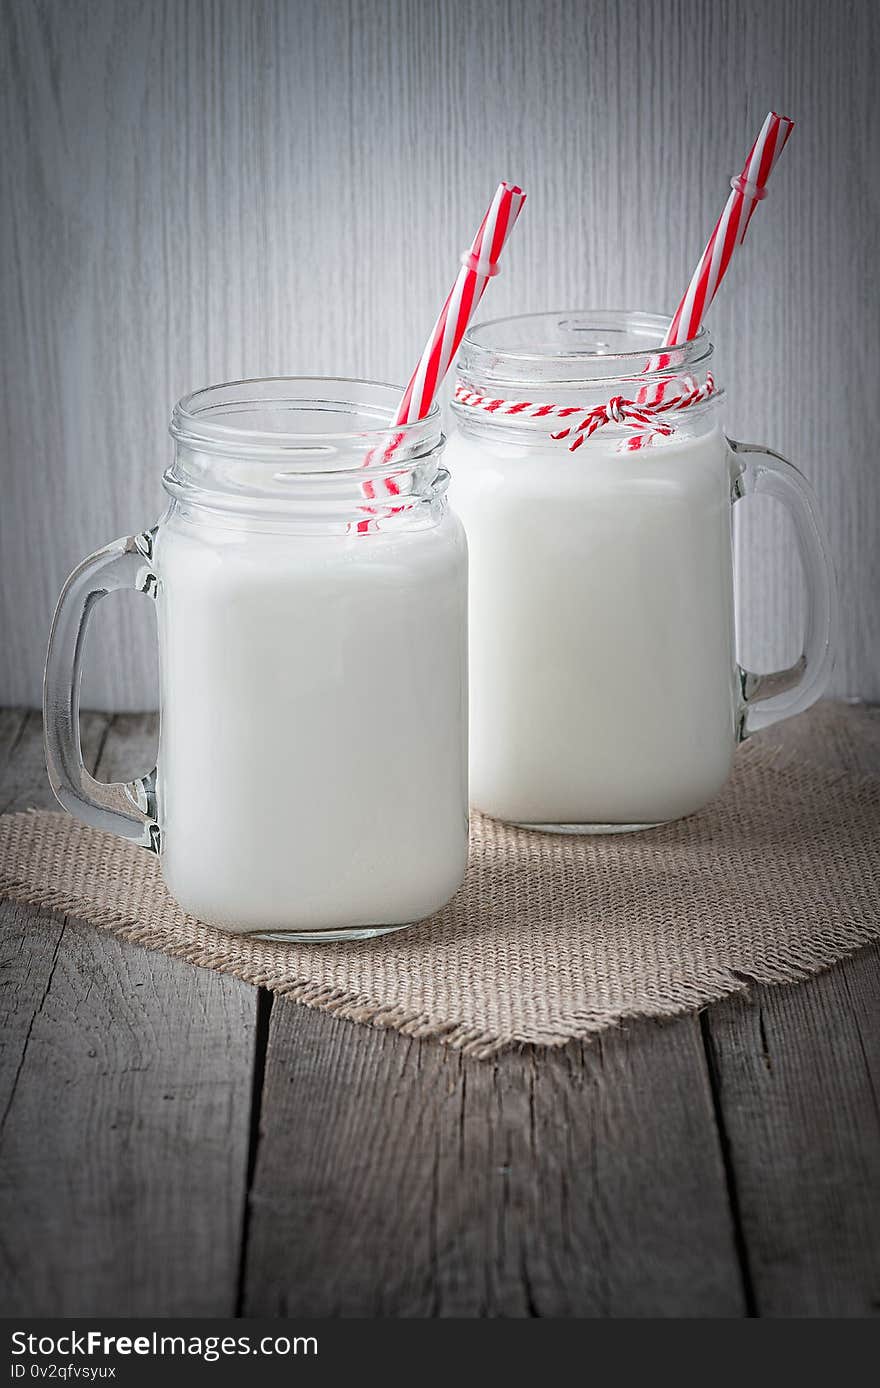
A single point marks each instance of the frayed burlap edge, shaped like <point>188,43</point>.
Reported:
<point>225,957</point>
<point>265,964</point>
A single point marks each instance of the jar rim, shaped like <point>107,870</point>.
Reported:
<point>199,420</point>
<point>505,350</point>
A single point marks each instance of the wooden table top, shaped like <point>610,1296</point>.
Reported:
<point>176,1143</point>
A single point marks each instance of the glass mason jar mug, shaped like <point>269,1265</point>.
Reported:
<point>311,595</point>
<point>605,691</point>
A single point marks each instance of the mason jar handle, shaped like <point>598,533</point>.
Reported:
<point>124,808</point>
<point>767,699</point>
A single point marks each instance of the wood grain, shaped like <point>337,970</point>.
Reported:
<point>199,192</point>
<point>796,1075</point>
<point>398,1178</point>
<point>125,1088</point>
<point>24,784</point>
<point>717,1166</point>
<point>798,1080</point>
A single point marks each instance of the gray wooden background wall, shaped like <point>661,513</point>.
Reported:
<point>199,190</point>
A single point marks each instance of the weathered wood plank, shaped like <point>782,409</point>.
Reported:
<point>397,1178</point>
<point>12,722</point>
<point>29,942</point>
<point>797,1075</point>
<point>798,1072</point>
<point>126,1093</point>
<point>24,784</point>
<point>28,950</point>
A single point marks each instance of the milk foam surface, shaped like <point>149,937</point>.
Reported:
<point>602,666</point>
<point>313,751</point>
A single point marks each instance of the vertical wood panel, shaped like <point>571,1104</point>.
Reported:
<point>203,190</point>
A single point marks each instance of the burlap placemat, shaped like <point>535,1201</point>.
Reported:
<point>552,937</point>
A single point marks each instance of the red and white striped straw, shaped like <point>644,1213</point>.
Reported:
<point>478,265</point>
<point>747,191</point>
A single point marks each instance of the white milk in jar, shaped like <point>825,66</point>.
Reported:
<point>605,692</point>
<point>312,759</point>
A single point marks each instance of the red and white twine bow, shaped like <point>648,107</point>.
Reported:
<point>642,415</point>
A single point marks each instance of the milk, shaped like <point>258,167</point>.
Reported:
<point>312,762</point>
<point>602,667</point>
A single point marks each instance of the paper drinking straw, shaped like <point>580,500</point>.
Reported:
<point>478,265</point>
<point>747,190</point>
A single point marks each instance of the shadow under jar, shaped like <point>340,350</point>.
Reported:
<point>311,595</point>
<point>605,691</point>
